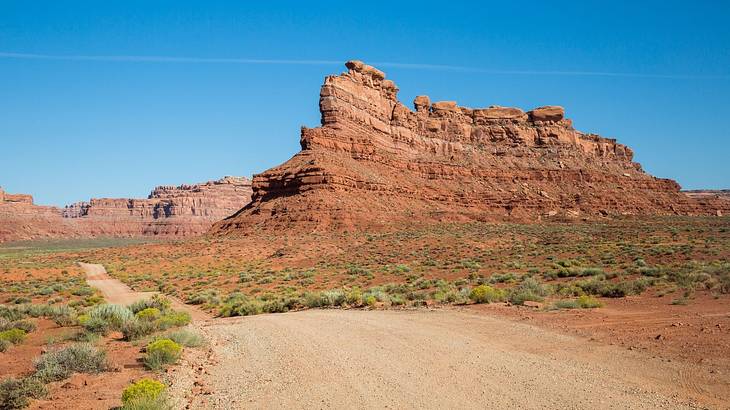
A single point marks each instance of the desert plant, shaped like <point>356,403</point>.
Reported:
<point>135,329</point>
<point>158,302</point>
<point>529,289</point>
<point>143,394</point>
<point>4,345</point>
<point>161,353</point>
<point>486,294</point>
<point>14,393</point>
<point>148,314</point>
<point>25,325</point>
<point>14,336</point>
<point>185,338</point>
<point>78,358</point>
<point>173,319</point>
<point>114,315</point>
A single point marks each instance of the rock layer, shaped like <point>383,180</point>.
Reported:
<point>374,161</point>
<point>168,211</point>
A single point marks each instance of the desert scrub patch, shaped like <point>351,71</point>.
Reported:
<point>528,290</point>
<point>148,314</point>
<point>161,353</point>
<point>113,315</point>
<point>60,364</point>
<point>143,394</point>
<point>583,302</point>
<point>15,393</point>
<point>14,336</point>
<point>158,302</point>
<point>26,325</point>
<point>185,337</point>
<point>487,294</point>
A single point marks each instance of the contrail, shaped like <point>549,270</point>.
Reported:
<point>413,66</point>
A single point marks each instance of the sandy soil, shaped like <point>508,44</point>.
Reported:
<point>428,359</point>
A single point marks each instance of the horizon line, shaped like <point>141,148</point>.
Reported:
<point>414,66</point>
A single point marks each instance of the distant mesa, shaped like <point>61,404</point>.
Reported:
<point>373,161</point>
<point>171,211</point>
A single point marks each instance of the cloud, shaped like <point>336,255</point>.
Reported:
<point>412,66</point>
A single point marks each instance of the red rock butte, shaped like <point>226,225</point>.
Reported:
<point>171,211</point>
<point>373,161</point>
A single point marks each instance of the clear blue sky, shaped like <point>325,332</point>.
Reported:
<point>653,74</point>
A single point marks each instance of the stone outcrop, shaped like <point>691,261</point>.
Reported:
<point>374,161</point>
<point>174,211</point>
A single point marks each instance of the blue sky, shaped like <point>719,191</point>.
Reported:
<point>655,75</point>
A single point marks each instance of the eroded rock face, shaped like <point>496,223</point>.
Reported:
<point>374,161</point>
<point>168,211</point>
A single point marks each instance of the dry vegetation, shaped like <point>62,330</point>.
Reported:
<point>558,269</point>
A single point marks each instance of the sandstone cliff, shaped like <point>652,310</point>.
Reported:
<point>374,161</point>
<point>168,211</point>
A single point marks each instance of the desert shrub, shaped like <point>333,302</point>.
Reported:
<point>60,364</point>
<point>241,308</point>
<point>142,392</point>
<point>4,345</point>
<point>503,278</point>
<point>333,298</point>
<point>529,289</point>
<point>208,296</point>
<point>161,353</point>
<point>185,338</point>
<point>135,329</point>
<point>14,393</point>
<point>173,319</point>
<point>148,314</point>
<point>13,336</point>
<point>17,324</point>
<point>397,300</point>
<point>113,315</point>
<point>370,300</point>
<point>486,294</point>
<point>158,302</point>
<point>583,302</point>
<point>354,297</point>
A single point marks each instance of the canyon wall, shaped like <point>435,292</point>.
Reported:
<point>374,161</point>
<point>170,211</point>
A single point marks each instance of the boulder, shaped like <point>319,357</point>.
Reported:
<point>553,113</point>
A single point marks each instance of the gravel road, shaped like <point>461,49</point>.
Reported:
<point>425,359</point>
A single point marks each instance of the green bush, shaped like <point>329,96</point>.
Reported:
<point>529,289</point>
<point>161,353</point>
<point>114,315</point>
<point>587,302</point>
<point>158,302</point>
<point>14,336</point>
<point>60,364</point>
<point>583,302</point>
<point>354,297</point>
<point>486,294</point>
<point>173,319</point>
<point>17,324</point>
<point>4,345</point>
<point>148,314</point>
<point>185,338</point>
<point>14,393</point>
<point>142,391</point>
<point>135,329</point>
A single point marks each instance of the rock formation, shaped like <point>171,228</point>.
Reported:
<point>168,211</point>
<point>374,161</point>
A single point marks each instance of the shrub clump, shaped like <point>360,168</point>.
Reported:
<point>15,393</point>
<point>583,302</point>
<point>14,336</point>
<point>185,338</point>
<point>79,358</point>
<point>161,353</point>
<point>486,294</point>
<point>148,314</point>
<point>158,302</point>
<point>143,394</point>
<point>529,289</point>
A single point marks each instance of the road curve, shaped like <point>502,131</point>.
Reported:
<point>426,359</point>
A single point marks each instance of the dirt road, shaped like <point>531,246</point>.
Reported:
<point>116,292</point>
<point>412,359</point>
<point>428,359</point>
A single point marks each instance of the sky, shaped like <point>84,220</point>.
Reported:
<point>111,98</point>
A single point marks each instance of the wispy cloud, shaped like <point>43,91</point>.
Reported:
<point>413,66</point>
